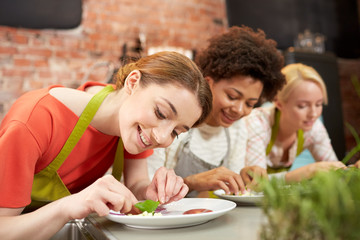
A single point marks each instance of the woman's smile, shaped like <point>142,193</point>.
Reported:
<point>144,140</point>
<point>309,123</point>
<point>227,118</point>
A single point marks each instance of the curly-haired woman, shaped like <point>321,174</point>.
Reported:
<point>243,68</point>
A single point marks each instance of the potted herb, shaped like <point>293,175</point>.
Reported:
<point>325,207</point>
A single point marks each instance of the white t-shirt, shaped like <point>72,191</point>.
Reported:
<point>208,143</point>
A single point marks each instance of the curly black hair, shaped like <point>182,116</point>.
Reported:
<point>242,51</point>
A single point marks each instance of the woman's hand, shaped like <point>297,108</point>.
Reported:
<point>104,194</point>
<point>217,178</point>
<point>251,174</point>
<point>308,171</point>
<point>357,164</point>
<point>166,186</point>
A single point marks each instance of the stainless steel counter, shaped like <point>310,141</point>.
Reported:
<point>243,222</point>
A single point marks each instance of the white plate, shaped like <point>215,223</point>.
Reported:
<point>172,214</point>
<point>254,199</point>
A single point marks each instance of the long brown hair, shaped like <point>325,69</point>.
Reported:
<point>170,68</point>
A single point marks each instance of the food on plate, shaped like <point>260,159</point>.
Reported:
<point>147,205</point>
<point>152,208</point>
<point>197,210</point>
<point>147,208</point>
<point>247,193</point>
<point>145,213</point>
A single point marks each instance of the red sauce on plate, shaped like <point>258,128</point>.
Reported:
<point>197,210</point>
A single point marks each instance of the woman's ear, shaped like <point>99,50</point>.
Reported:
<point>132,81</point>
<point>210,81</point>
<point>277,103</point>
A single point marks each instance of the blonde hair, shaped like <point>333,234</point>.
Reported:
<point>170,68</point>
<point>296,73</point>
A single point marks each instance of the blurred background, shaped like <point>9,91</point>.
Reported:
<point>45,42</point>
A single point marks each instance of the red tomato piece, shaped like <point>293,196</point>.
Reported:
<point>197,210</point>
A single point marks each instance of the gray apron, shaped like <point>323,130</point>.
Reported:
<point>189,164</point>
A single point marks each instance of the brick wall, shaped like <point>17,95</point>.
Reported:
<point>348,69</point>
<point>30,59</point>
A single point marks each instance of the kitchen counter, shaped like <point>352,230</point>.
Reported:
<point>243,222</point>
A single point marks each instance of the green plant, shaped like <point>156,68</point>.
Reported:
<point>356,83</point>
<point>326,207</point>
<point>356,149</point>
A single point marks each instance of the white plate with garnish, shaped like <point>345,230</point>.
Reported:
<point>250,197</point>
<point>177,214</point>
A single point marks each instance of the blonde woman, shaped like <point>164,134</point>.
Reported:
<point>277,134</point>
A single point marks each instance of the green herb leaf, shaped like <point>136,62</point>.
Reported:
<point>147,205</point>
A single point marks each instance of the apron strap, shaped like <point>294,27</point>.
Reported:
<point>272,170</point>
<point>301,140</point>
<point>274,132</point>
<point>118,165</point>
<point>80,127</point>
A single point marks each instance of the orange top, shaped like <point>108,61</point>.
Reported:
<point>33,133</point>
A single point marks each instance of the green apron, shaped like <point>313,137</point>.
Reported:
<point>47,185</point>
<point>274,132</point>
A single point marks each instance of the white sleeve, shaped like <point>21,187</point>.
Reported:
<point>155,161</point>
<point>259,132</point>
<point>318,142</point>
<point>238,138</point>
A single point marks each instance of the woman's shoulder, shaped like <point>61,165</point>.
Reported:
<point>40,114</point>
<point>261,117</point>
<point>76,99</point>
<point>91,85</point>
<point>29,104</point>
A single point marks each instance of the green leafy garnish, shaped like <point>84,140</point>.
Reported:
<point>147,205</point>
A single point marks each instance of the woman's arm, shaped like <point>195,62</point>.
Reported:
<point>40,224</point>
<point>308,171</point>
<point>217,178</point>
<point>104,194</point>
